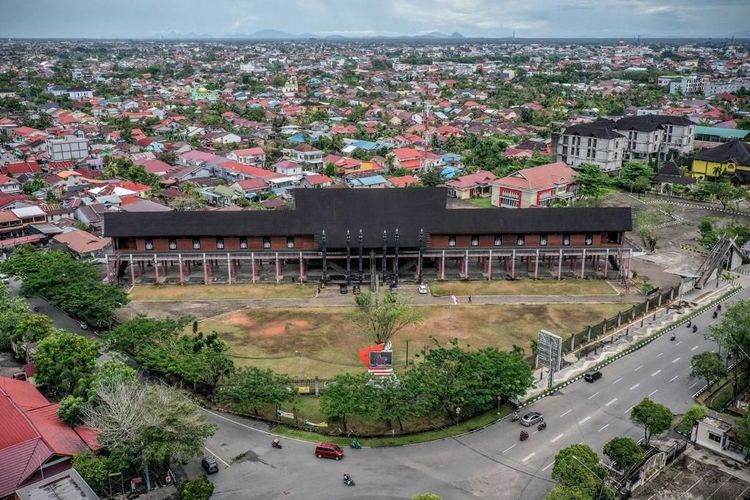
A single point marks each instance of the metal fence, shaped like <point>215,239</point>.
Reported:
<point>584,338</point>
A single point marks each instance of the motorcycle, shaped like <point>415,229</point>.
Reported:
<point>542,426</point>
<point>348,480</point>
<point>356,444</point>
<point>715,315</point>
<point>672,337</point>
<point>689,323</point>
<point>718,307</point>
<point>695,328</point>
<point>276,443</point>
<point>524,435</point>
<point>515,417</point>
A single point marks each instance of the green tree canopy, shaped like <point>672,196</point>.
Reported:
<point>695,413</point>
<point>579,474</point>
<point>635,176</point>
<point>347,394</point>
<point>383,318</point>
<point>624,453</point>
<point>197,489</point>
<point>592,181</point>
<point>251,388</point>
<point>733,333</point>
<point>64,361</point>
<point>708,366</point>
<point>654,417</point>
<point>431,177</point>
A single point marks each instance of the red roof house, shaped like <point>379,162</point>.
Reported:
<point>535,186</point>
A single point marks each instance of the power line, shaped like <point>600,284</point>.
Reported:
<point>497,461</point>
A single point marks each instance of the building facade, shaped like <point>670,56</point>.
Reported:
<point>68,148</point>
<point>538,186</point>
<point>367,236</point>
<point>596,142</point>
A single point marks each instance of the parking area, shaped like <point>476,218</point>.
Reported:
<point>694,479</point>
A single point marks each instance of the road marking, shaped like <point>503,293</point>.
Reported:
<point>548,466</point>
<point>613,400</point>
<point>613,383</point>
<point>527,457</point>
<point>637,368</point>
<point>600,430</point>
<point>657,372</point>
<point>217,457</point>
<point>673,378</point>
<point>694,348</point>
<point>653,392</point>
<point>594,395</point>
<point>628,410</point>
<point>675,360</point>
<point>717,489</point>
<point>557,437</point>
<point>566,412</point>
<point>535,431</point>
<point>636,386</point>
<point>660,354</point>
<point>694,484</point>
<point>678,343</point>
<point>509,448</point>
<point>694,384</point>
<point>584,420</point>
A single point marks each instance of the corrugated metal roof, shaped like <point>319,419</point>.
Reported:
<point>727,133</point>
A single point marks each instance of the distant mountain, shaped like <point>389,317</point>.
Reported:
<point>271,34</point>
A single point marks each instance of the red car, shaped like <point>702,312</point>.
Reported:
<point>329,450</point>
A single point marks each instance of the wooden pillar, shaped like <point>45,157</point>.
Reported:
<point>252,264</point>
<point>630,255</point>
<point>205,270</point>
<point>179,263</point>
<point>442,266</point>
<point>156,269</point>
<point>536,266</point>
<point>559,265</point>
<point>466,265</point>
<point>301,268</point>
<point>583,264</point>
<point>278,269</point>
<point>132,271</point>
<point>606,263</point>
<point>489,267</point>
<point>513,265</point>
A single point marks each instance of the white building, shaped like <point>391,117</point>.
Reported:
<point>720,86</point>
<point>687,85</point>
<point>716,435</point>
<point>596,142</point>
<point>68,148</point>
<point>80,93</point>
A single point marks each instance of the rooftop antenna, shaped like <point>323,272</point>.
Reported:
<point>514,35</point>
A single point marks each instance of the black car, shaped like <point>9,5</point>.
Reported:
<point>592,376</point>
<point>210,465</point>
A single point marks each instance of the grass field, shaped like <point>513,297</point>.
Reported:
<point>481,202</point>
<point>309,342</point>
<point>522,287</point>
<point>208,292</point>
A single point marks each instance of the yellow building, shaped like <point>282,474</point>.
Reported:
<point>729,161</point>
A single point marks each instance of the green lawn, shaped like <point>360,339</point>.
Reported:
<point>522,287</point>
<point>216,292</point>
<point>481,202</point>
<point>309,342</point>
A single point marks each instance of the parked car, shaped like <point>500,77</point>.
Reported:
<point>423,289</point>
<point>532,418</point>
<point>210,465</point>
<point>592,376</point>
<point>329,450</point>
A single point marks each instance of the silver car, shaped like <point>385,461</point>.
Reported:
<point>532,418</point>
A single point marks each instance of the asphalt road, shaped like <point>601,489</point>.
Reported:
<point>491,463</point>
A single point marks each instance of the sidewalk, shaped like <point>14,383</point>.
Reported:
<point>628,336</point>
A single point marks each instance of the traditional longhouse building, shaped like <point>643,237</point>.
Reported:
<point>385,235</point>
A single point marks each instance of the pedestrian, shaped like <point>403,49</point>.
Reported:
<point>469,299</point>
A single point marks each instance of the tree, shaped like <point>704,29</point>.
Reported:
<point>707,365</point>
<point>347,394</point>
<point>330,169</point>
<point>250,388</point>
<point>733,333</point>
<point>654,417</point>
<point>635,176</point>
<point>95,470</point>
<point>431,177</point>
<point>197,489</point>
<point>147,423</point>
<point>724,192</point>
<point>591,181</point>
<point>579,473</point>
<point>695,413</point>
<point>427,496</point>
<point>742,431</point>
<point>64,360</point>
<point>647,222</point>
<point>384,318</point>
<point>124,168</point>
<point>624,453</point>
<point>70,409</point>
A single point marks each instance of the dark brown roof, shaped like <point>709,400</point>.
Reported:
<point>374,211</point>
<point>736,151</point>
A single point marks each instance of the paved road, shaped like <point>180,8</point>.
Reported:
<point>491,463</point>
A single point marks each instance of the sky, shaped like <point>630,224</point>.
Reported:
<point>364,18</point>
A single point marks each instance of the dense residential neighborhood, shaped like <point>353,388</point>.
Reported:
<point>227,258</point>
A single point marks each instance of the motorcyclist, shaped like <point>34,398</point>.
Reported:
<point>690,323</point>
<point>524,435</point>
<point>348,478</point>
<point>715,315</point>
<point>276,443</point>
<point>515,416</point>
<point>695,328</point>
<point>718,307</point>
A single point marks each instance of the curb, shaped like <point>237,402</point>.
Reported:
<point>635,347</point>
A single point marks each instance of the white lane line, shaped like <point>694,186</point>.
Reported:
<point>566,412</point>
<point>694,384</point>
<point>675,360</point>
<point>600,430</point>
<point>660,354</point>
<point>584,420</point>
<point>613,400</point>
<point>678,343</point>
<point>673,378</point>
<point>613,383</point>
<point>636,386</point>
<point>527,457</point>
<point>653,392</point>
<point>638,368</point>
<point>217,457</point>
<point>509,448</point>
<point>628,410</point>
<point>535,431</point>
<point>594,395</point>
<point>657,372</point>
<point>548,466</point>
<point>694,348</point>
<point>557,437</point>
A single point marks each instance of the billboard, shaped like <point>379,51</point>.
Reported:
<point>381,359</point>
<point>549,350</point>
